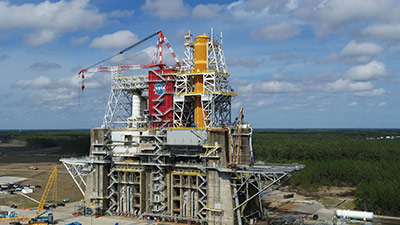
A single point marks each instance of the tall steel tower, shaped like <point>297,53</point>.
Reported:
<point>169,149</point>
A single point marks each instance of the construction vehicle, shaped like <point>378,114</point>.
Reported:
<point>42,216</point>
<point>33,168</point>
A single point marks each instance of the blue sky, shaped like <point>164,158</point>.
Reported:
<point>294,63</point>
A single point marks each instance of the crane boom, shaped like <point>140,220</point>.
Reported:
<point>46,192</point>
<point>157,60</point>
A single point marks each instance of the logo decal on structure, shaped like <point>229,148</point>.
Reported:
<point>159,88</point>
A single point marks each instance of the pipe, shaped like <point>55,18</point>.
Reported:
<point>239,217</point>
<point>192,204</point>
<point>251,146</point>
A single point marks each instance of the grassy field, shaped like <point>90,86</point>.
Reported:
<point>66,188</point>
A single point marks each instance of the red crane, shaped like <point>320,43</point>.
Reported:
<point>157,60</point>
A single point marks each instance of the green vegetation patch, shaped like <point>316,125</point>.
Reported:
<point>368,159</point>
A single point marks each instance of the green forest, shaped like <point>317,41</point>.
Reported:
<point>341,158</point>
<point>71,142</point>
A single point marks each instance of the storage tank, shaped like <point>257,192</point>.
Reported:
<point>358,215</point>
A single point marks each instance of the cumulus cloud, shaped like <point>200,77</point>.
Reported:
<point>370,93</point>
<point>44,66</point>
<point>60,94</point>
<point>344,85</point>
<point>354,52</point>
<point>268,87</point>
<point>55,99</point>
<point>389,32</point>
<point>39,82</point>
<point>369,71</point>
<point>119,39</point>
<point>79,40</point>
<point>207,11</point>
<point>276,32</point>
<point>166,9</point>
<point>361,48</point>
<point>331,16</point>
<point>92,81</point>
<point>327,16</point>
<point>50,19</point>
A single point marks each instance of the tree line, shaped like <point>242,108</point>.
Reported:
<point>71,142</point>
<point>339,158</point>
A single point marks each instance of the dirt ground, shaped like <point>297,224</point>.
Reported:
<point>65,186</point>
<point>322,203</point>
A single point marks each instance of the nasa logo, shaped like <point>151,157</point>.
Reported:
<point>159,88</point>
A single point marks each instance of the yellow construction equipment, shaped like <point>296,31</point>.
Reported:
<point>40,211</point>
<point>39,219</point>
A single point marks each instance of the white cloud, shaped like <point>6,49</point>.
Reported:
<point>354,52</point>
<point>390,32</point>
<point>239,81</point>
<point>166,9</point>
<point>369,71</point>
<point>381,104</point>
<point>41,37</point>
<point>92,81</point>
<point>268,87</point>
<point>62,93</point>
<point>370,93</point>
<point>353,104</point>
<point>272,6</point>
<point>121,13</point>
<point>39,82</point>
<point>207,11</point>
<point>59,94</point>
<point>44,66</point>
<point>143,57</point>
<point>55,99</point>
<point>361,48</point>
<point>79,40</point>
<point>276,32</point>
<point>50,19</point>
<point>331,16</point>
<point>343,85</point>
<point>119,39</point>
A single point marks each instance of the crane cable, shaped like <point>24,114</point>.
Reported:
<point>116,54</point>
<point>126,49</point>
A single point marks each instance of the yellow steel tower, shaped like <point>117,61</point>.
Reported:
<point>200,66</point>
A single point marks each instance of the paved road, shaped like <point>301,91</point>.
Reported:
<point>59,170</point>
<point>63,215</point>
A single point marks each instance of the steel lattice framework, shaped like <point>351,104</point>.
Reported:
<point>217,94</point>
<point>150,166</point>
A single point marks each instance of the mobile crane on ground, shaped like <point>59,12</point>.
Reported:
<point>39,218</point>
